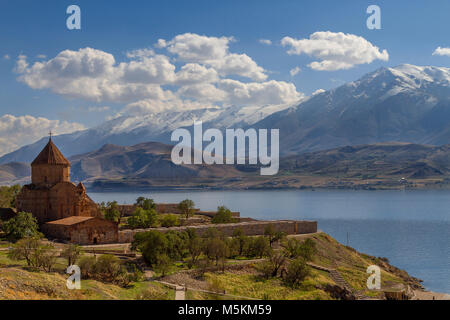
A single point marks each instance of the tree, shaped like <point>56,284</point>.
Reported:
<point>145,203</point>
<point>44,256</point>
<point>241,239</point>
<point>24,250</point>
<point>71,253</point>
<point>153,245</point>
<point>187,208</point>
<point>273,235</point>
<point>111,211</point>
<point>163,264</point>
<point>297,272</point>
<point>258,247</point>
<point>169,220</point>
<point>223,215</point>
<point>143,218</point>
<point>216,249</point>
<point>195,248</point>
<point>23,225</point>
<point>8,196</point>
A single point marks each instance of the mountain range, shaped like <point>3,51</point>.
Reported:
<point>148,165</point>
<point>403,104</point>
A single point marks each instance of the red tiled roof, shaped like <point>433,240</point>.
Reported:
<point>50,155</point>
<point>70,221</point>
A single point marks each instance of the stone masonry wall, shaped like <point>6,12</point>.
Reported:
<point>253,228</point>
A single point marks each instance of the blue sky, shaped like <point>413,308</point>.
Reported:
<point>411,31</point>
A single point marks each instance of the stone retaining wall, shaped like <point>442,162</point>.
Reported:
<point>252,228</point>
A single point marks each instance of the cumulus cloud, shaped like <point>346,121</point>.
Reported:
<point>318,91</point>
<point>295,71</point>
<point>214,52</point>
<point>150,82</point>
<point>16,132</point>
<point>265,41</point>
<point>441,52</point>
<point>94,75</point>
<point>335,51</point>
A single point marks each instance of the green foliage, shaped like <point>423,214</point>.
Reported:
<point>152,244</point>
<point>36,253</point>
<point>187,208</point>
<point>241,241</point>
<point>258,247</point>
<point>8,196</point>
<point>216,249</point>
<point>71,253</point>
<point>294,248</point>
<point>195,249</point>
<point>106,268</point>
<point>143,218</point>
<point>273,235</point>
<point>296,273</point>
<point>273,264</point>
<point>110,211</point>
<point>145,203</point>
<point>24,249</point>
<point>163,264</point>
<point>169,220</point>
<point>223,215</point>
<point>23,225</point>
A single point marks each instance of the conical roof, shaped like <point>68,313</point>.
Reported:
<point>50,155</point>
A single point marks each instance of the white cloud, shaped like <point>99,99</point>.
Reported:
<point>441,51</point>
<point>295,71</point>
<point>214,52</point>
<point>16,132</point>
<point>41,56</point>
<point>196,73</point>
<point>259,93</point>
<point>150,82</point>
<point>318,91</point>
<point>265,41</point>
<point>335,51</point>
<point>93,75</point>
<point>6,57</point>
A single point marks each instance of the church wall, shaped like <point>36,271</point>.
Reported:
<point>49,174</point>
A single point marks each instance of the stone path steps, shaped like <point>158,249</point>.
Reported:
<point>340,281</point>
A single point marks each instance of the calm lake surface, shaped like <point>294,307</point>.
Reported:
<point>410,228</point>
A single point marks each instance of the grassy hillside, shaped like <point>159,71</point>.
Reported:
<point>239,280</point>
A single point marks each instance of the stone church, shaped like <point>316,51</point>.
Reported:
<point>63,209</point>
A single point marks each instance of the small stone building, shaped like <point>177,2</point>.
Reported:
<point>82,230</point>
<point>52,197</point>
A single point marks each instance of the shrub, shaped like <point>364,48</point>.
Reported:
<point>241,241</point>
<point>71,253</point>
<point>273,235</point>
<point>24,250</point>
<point>216,249</point>
<point>223,215</point>
<point>87,266</point>
<point>187,208</point>
<point>8,196</point>
<point>169,220</point>
<point>258,247</point>
<point>23,225</point>
<point>296,273</point>
<point>110,211</point>
<point>35,253</point>
<point>145,203</point>
<point>143,218</point>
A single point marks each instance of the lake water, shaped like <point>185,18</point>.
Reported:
<point>410,228</point>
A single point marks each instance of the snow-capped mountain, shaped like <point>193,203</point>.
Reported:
<point>406,103</point>
<point>128,130</point>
